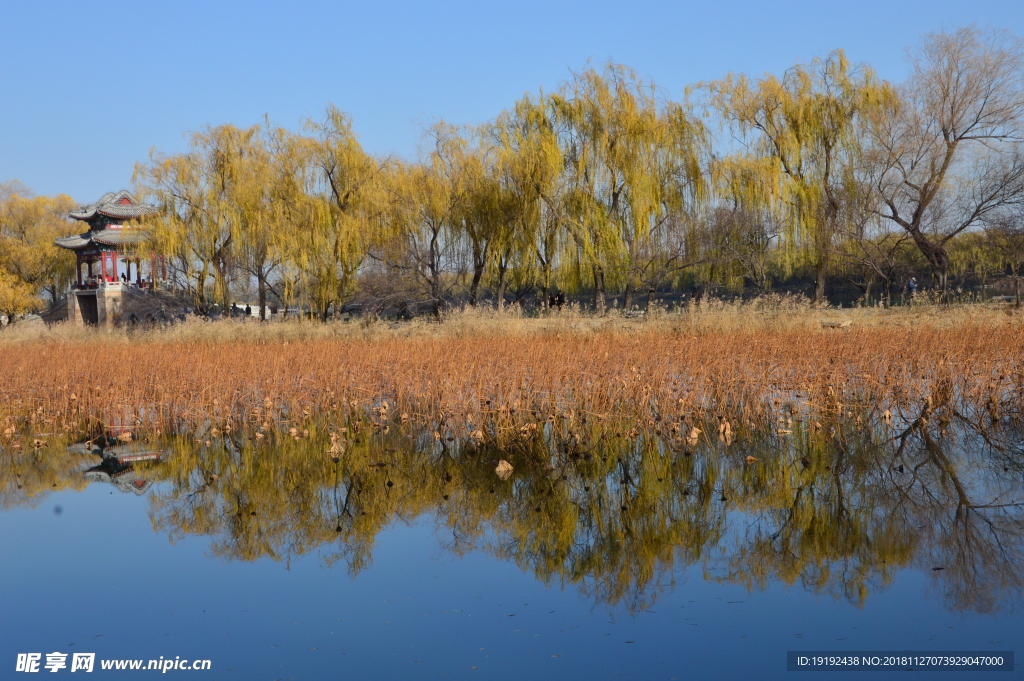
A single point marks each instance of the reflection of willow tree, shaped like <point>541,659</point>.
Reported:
<point>821,516</point>
<point>612,523</point>
<point>842,511</point>
<point>615,510</point>
<point>615,525</point>
<point>256,504</point>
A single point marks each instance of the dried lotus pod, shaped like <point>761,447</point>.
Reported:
<point>504,469</point>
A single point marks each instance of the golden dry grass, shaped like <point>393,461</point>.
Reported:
<point>503,372</point>
<point>772,312</point>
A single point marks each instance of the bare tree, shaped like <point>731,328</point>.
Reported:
<point>949,155</point>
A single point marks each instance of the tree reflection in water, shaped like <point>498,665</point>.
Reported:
<point>616,511</point>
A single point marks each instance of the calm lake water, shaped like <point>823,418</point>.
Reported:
<point>620,557</point>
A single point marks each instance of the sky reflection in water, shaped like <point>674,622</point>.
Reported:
<point>449,579</point>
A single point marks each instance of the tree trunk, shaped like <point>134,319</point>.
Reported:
<point>647,301</point>
<point>545,287</point>
<point>262,285</point>
<point>502,280</point>
<point>819,284</point>
<point>599,301</point>
<point>474,288</point>
<point>200,298</point>
<point>936,256</point>
<point>435,295</point>
<point>434,266</point>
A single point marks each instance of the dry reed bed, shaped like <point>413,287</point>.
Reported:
<point>501,383</point>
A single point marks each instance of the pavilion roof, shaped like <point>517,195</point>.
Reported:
<point>120,205</point>
<point>104,237</point>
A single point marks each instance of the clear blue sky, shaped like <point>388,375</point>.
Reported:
<point>89,87</point>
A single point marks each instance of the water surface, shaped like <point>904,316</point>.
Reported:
<point>605,555</point>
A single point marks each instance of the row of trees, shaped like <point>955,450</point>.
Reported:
<point>826,173</point>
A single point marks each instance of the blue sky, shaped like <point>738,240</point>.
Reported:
<point>90,87</point>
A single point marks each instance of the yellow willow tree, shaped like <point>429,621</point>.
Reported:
<point>425,205</point>
<point>529,166</point>
<point>631,164</point>
<point>31,265</point>
<point>746,221</point>
<point>264,185</point>
<point>496,201</point>
<point>199,194</point>
<point>807,124</point>
<point>224,207</point>
<point>331,204</point>
<point>480,216</point>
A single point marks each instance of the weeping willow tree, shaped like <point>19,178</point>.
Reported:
<point>530,162</point>
<point>631,162</point>
<point>806,125</point>
<point>745,220</point>
<point>422,218</point>
<point>209,199</point>
<point>481,213</point>
<point>262,189</point>
<point>331,203</point>
<point>443,218</point>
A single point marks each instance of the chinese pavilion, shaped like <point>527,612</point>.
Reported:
<point>105,255</point>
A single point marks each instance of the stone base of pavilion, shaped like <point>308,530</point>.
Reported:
<point>117,303</point>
